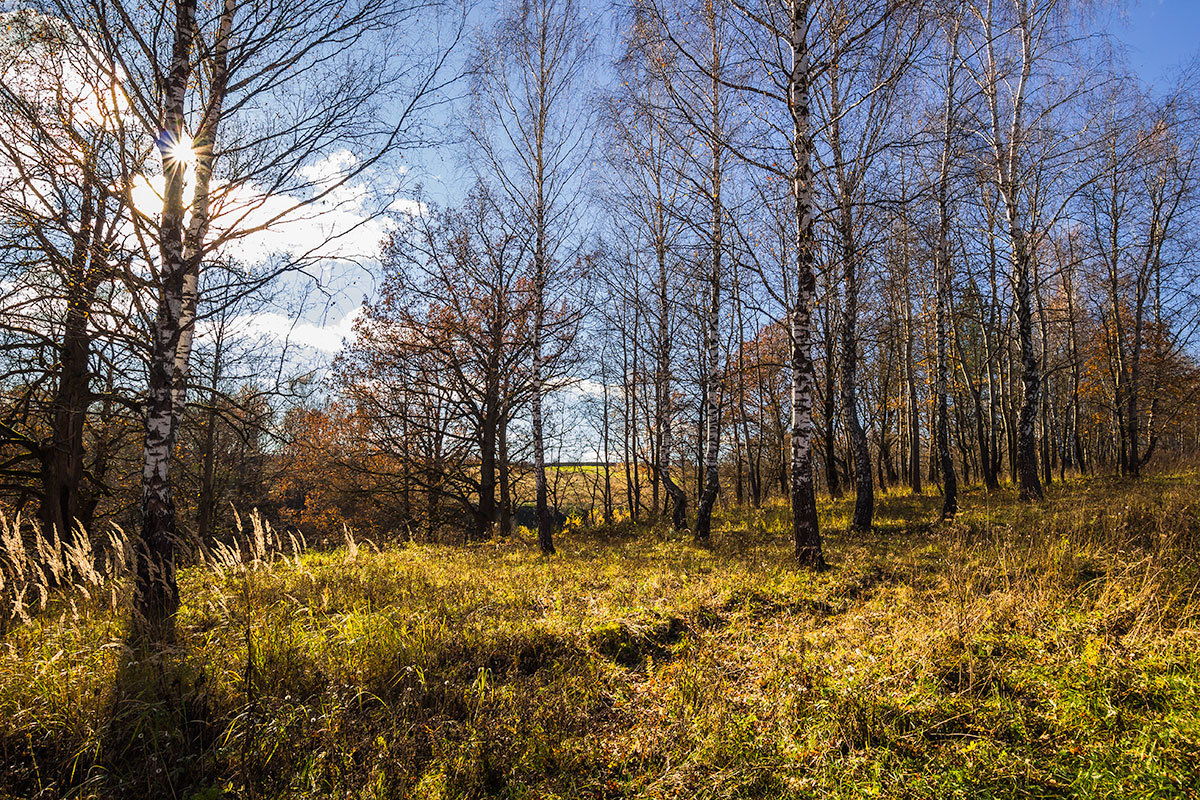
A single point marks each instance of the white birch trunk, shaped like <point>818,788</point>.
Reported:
<point>805,530</point>
<point>712,383</point>
<point>156,596</point>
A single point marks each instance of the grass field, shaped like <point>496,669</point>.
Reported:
<point>1018,652</point>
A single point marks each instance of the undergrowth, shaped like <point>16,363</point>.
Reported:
<point>1020,651</point>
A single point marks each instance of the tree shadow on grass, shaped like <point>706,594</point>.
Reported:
<point>159,740</point>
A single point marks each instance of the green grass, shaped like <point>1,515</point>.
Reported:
<point>1048,651</point>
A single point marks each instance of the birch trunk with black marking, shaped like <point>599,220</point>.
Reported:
<point>713,382</point>
<point>156,596</point>
<point>712,398</point>
<point>806,533</point>
<point>1007,148</point>
<point>1028,481</point>
<point>181,251</point>
<point>200,216</point>
<point>945,462</point>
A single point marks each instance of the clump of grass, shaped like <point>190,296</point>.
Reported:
<point>34,565</point>
<point>1015,652</point>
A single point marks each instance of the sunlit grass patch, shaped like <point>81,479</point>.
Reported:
<point>1018,651</point>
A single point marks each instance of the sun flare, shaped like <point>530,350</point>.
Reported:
<point>180,153</point>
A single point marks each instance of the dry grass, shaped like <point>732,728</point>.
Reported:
<point>1018,652</point>
<point>32,565</point>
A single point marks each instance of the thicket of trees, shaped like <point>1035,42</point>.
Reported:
<point>909,245</point>
<point>784,246</point>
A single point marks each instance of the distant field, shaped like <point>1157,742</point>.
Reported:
<point>1019,652</point>
<point>580,486</point>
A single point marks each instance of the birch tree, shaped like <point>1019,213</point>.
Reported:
<point>805,531</point>
<point>714,132</point>
<point>647,188</point>
<point>697,70</point>
<point>1013,41</point>
<point>534,138</point>
<point>869,52</point>
<point>249,108</point>
<point>1143,188</point>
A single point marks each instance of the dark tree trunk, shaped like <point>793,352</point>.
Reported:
<point>208,499</point>
<point>829,409</point>
<point>946,463</point>
<point>864,486</point>
<point>503,469</point>
<point>664,408</point>
<point>914,408</point>
<point>544,520</point>
<point>62,470</point>
<point>942,280</point>
<point>712,383</point>
<point>1028,481</point>
<point>486,512</point>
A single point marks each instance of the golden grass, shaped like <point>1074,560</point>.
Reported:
<point>1020,651</point>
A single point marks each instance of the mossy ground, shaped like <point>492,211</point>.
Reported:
<point>1049,651</point>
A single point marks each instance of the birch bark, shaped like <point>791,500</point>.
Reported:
<point>156,596</point>
<point>805,530</point>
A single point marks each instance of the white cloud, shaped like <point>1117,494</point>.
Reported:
<point>324,337</point>
<point>585,387</point>
<point>408,207</point>
<point>326,172</point>
<point>341,226</point>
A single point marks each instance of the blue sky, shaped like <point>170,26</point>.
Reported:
<point>1162,35</point>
